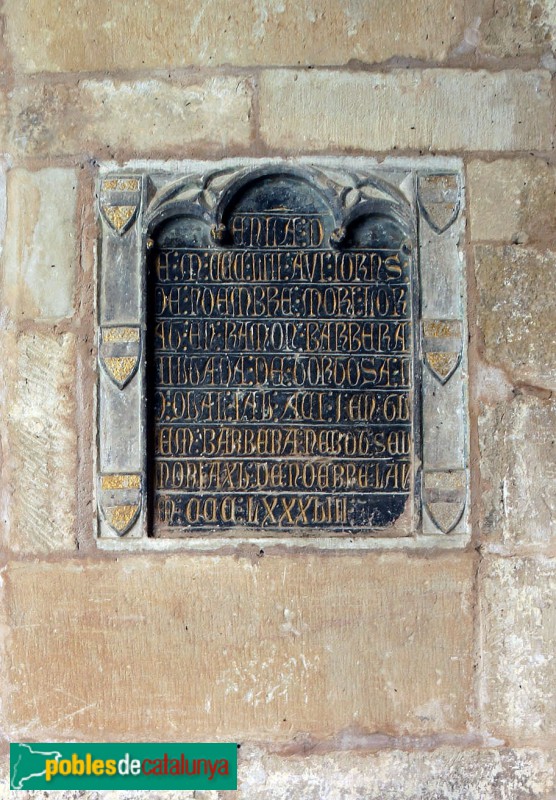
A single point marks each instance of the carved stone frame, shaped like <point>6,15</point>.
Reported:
<point>427,194</point>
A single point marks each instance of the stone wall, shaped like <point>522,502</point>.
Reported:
<point>362,676</point>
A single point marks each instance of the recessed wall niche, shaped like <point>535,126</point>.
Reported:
<point>282,351</point>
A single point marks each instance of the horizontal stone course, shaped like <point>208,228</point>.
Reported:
<point>148,35</point>
<point>440,773</point>
<point>145,34</point>
<point>227,649</point>
<point>308,111</point>
<point>407,109</point>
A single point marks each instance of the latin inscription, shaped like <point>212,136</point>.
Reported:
<point>282,380</point>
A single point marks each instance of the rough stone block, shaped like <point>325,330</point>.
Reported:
<point>519,629</point>
<point>145,34</point>
<point>512,200</point>
<point>40,256</point>
<point>517,297</point>
<point>517,442</point>
<point>40,458</point>
<point>230,648</point>
<point>407,109</point>
<point>517,27</point>
<point>446,773</point>
<point>118,119</point>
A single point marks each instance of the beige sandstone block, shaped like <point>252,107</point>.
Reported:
<point>407,109</point>
<point>219,648</point>
<point>517,443</point>
<point>519,630</point>
<point>512,200</point>
<point>40,466</point>
<point>143,34</point>
<point>517,297</point>
<point>115,118</point>
<point>446,773</point>
<point>41,248</point>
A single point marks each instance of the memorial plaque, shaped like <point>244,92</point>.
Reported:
<point>282,367</point>
<point>279,359</point>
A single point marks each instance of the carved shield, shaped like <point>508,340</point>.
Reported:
<point>444,493</point>
<point>119,351</point>
<point>119,201</point>
<point>120,500</point>
<point>442,346</point>
<point>439,200</point>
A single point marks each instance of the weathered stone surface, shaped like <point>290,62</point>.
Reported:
<point>517,27</point>
<point>5,777</point>
<point>517,297</point>
<point>517,443</point>
<point>443,774</point>
<point>519,630</point>
<point>411,109</point>
<point>40,256</point>
<point>3,114</point>
<point>80,794</point>
<point>4,55</point>
<point>114,118</point>
<point>147,34</point>
<point>3,207</point>
<point>40,458</point>
<point>230,648</point>
<point>512,200</point>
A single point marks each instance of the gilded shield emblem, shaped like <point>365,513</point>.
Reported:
<point>444,493</point>
<point>439,200</point>
<point>120,500</point>
<point>442,346</point>
<point>119,351</point>
<point>119,202</point>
